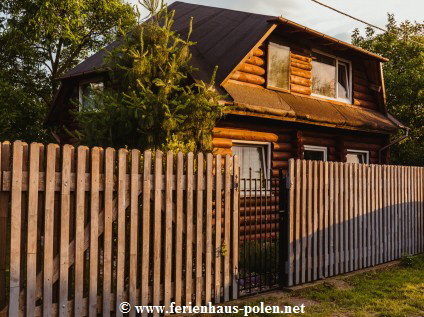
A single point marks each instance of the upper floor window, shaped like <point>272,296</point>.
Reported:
<point>278,67</point>
<point>87,93</point>
<point>331,77</point>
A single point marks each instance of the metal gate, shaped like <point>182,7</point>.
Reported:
<point>263,242</point>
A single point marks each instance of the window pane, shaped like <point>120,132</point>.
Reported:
<point>278,68</point>
<point>353,157</point>
<point>314,155</point>
<point>250,157</point>
<point>343,81</point>
<point>324,75</point>
<point>88,92</point>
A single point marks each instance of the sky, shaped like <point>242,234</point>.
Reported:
<point>319,18</point>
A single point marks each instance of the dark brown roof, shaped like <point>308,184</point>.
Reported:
<point>223,38</point>
<point>285,106</point>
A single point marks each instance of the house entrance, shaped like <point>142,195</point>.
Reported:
<point>262,231</point>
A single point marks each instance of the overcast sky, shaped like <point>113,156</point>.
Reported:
<point>322,19</point>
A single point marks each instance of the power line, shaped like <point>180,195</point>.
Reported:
<point>362,21</point>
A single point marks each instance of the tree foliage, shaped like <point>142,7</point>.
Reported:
<point>151,100</point>
<point>40,41</point>
<point>403,44</point>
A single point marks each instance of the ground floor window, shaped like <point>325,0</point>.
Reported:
<point>356,156</point>
<point>315,153</point>
<point>254,158</point>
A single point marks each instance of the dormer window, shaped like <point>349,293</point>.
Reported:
<point>278,67</point>
<point>87,93</point>
<point>331,77</point>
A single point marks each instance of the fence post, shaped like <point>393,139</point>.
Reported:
<point>284,229</point>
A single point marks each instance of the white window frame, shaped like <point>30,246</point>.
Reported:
<point>317,149</point>
<point>271,43</point>
<point>367,153</point>
<point>337,59</point>
<point>84,82</point>
<point>267,145</point>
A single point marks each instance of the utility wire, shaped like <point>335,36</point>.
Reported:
<point>362,21</point>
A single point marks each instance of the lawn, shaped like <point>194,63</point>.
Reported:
<point>390,292</point>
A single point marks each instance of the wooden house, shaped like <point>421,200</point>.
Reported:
<point>297,93</point>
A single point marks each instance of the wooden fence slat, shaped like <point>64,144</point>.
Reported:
<point>107,238</point>
<point>227,219</point>
<point>49,229</point>
<point>120,244</point>
<point>34,161</point>
<point>321,216</point>
<point>208,224</point>
<point>157,231</point>
<point>79,230</point>
<point>361,198</point>
<point>94,232</point>
<point>325,220</point>
<point>310,219</point>
<point>379,214</point>
<point>297,222</point>
<point>336,219</point>
<point>341,218</point>
<point>331,218</point>
<point>303,228</point>
<point>179,230</point>
<point>351,217</point>
<point>189,232</point>
<point>390,211</point>
<point>355,216</point>
<point>15,227</point>
<point>134,237</point>
<point>315,253</point>
<point>5,158</point>
<point>346,219</point>
<point>67,157</point>
<point>234,224</point>
<point>199,229</point>
<point>146,233</point>
<point>168,230</point>
<point>218,232</point>
<point>291,221</point>
<point>396,210</point>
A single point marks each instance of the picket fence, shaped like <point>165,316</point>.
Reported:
<point>344,217</point>
<point>82,230</point>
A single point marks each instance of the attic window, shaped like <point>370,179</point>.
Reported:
<point>331,77</point>
<point>87,93</point>
<point>278,67</point>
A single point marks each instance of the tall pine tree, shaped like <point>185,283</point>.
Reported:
<point>151,100</point>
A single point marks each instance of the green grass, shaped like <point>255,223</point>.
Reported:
<point>391,292</point>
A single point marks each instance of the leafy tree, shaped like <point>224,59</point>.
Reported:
<point>403,44</point>
<point>40,41</point>
<point>151,101</point>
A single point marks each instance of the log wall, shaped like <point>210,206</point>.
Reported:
<point>288,141</point>
<point>253,71</point>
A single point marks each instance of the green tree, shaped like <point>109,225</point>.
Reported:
<point>40,41</point>
<point>403,44</point>
<point>151,101</point>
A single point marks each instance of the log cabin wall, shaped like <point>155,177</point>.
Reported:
<point>254,71</point>
<point>300,73</point>
<point>289,139</point>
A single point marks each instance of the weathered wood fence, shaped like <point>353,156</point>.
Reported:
<point>344,217</point>
<point>82,230</point>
